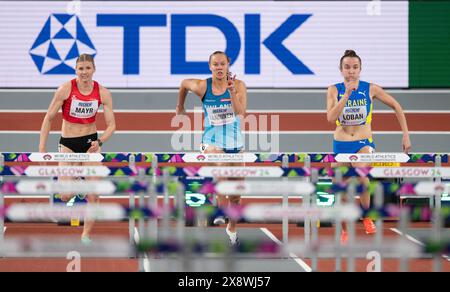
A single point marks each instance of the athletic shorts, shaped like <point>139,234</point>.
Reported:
<point>351,146</point>
<point>79,144</point>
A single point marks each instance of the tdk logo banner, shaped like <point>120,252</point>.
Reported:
<point>156,44</point>
<point>131,25</point>
<point>63,35</point>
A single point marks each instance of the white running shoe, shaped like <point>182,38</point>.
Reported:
<point>219,220</point>
<point>234,240</point>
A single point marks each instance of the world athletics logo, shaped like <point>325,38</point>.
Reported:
<point>58,45</point>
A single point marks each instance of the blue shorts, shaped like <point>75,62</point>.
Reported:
<point>351,146</point>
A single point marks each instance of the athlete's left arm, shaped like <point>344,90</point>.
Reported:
<point>387,99</point>
<point>110,121</point>
<point>238,92</point>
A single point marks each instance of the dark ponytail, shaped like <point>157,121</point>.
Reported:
<point>351,54</point>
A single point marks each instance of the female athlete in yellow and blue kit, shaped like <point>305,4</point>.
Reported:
<point>349,105</point>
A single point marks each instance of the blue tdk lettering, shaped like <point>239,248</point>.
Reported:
<point>131,24</point>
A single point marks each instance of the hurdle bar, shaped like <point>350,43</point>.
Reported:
<point>190,157</point>
<point>231,171</point>
<point>16,185</point>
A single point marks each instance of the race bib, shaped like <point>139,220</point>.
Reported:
<point>219,116</point>
<point>352,116</point>
<point>83,109</point>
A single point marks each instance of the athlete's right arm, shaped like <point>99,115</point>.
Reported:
<point>197,86</point>
<point>58,99</point>
<point>335,108</point>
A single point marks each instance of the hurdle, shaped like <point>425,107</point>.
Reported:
<point>299,172</point>
<point>140,186</point>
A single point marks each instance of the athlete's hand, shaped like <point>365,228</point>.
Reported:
<point>350,87</point>
<point>230,82</point>
<point>406,143</point>
<point>180,111</point>
<point>94,147</point>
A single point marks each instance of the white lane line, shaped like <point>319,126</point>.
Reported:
<point>244,132</point>
<point>416,241</point>
<point>298,260</point>
<point>409,237</point>
<point>261,111</point>
<point>271,236</point>
<point>145,260</point>
<point>256,90</point>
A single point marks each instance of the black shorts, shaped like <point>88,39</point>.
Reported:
<point>79,144</point>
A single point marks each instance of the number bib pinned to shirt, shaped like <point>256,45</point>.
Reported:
<point>352,116</point>
<point>83,109</point>
<point>219,116</point>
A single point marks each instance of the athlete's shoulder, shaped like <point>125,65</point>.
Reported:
<point>64,90</point>
<point>202,83</point>
<point>332,88</point>
<point>338,85</point>
<point>374,85</point>
<point>194,81</point>
<point>375,89</point>
<point>105,94</point>
<point>197,86</point>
